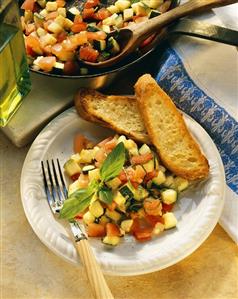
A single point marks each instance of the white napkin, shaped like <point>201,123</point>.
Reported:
<point>202,78</point>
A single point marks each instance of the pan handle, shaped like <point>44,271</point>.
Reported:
<point>204,30</point>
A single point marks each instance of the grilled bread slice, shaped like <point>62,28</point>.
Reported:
<point>119,113</point>
<point>177,149</point>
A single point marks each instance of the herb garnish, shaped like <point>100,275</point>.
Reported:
<point>80,199</point>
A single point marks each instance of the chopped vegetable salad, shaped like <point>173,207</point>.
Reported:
<point>120,188</point>
<point>58,37</point>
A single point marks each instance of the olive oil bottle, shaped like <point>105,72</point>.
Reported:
<point>14,73</point>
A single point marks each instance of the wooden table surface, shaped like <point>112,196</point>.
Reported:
<point>31,271</point>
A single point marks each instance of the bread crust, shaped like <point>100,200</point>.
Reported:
<point>147,93</point>
<point>85,97</point>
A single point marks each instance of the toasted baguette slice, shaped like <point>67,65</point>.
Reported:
<point>119,113</point>
<point>168,132</point>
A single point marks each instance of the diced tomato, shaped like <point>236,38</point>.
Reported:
<point>61,53</point>
<point>98,35</point>
<point>70,67</point>
<point>34,43</point>
<point>47,50</point>
<point>147,41</point>
<point>30,52</point>
<point>91,3</point>
<point>78,19</point>
<point>112,230</point>
<point>110,145</point>
<point>149,176</point>
<point>112,206</point>
<point>88,13</point>
<point>79,216</point>
<point>142,229</point>
<point>123,177</point>
<point>88,53</point>
<point>60,3</point>
<point>152,207</point>
<point>61,36</point>
<point>167,208</point>
<point>101,144</point>
<point>80,142</point>
<point>154,219</point>
<point>75,176</point>
<point>51,15</point>
<point>78,27</point>
<point>102,14</point>
<point>139,174</point>
<point>47,63</point>
<point>135,184</point>
<point>28,5</point>
<point>96,230</point>
<point>141,159</point>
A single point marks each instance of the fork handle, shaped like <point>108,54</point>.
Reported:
<point>95,276</point>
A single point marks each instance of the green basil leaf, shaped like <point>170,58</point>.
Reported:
<point>113,164</point>
<point>78,201</point>
<point>105,195</point>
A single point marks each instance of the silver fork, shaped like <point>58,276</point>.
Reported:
<point>56,193</point>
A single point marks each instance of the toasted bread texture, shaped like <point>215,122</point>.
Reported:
<point>119,113</point>
<point>177,149</point>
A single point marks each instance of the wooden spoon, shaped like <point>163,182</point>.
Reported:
<point>131,37</point>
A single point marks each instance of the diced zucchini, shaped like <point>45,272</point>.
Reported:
<point>72,12</point>
<point>106,28</point>
<point>149,166</point>
<point>71,167</point>
<point>51,6</point>
<point>42,3</point>
<point>113,9</point>
<point>96,209</point>
<point>155,3</point>
<point>158,228</point>
<point>60,20</point>
<point>28,16</point>
<point>94,174</point>
<point>140,193</point>
<point>126,225</point>
<point>122,139</point>
<point>111,240</point>
<point>162,168</point>
<point>181,184</point>
<point>87,168</point>
<point>73,187</point>
<point>110,20</point>
<point>43,13</point>
<point>92,28</point>
<point>47,39</point>
<point>99,45</point>
<point>114,183</point>
<point>67,24</point>
<point>159,179</point>
<point>169,182</point>
<point>58,68</point>
<point>154,13</point>
<point>119,199</point>
<point>169,196</point>
<point>169,220</point>
<point>88,217</point>
<point>128,14</point>
<point>127,191</point>
<point>118,22</point>
<point>140,9</point>
<point>62,11</point>
<point>113,45</point>
<point>38,19</point>
<point>122,4</point>
<point>55,27</point>
<point>76,157</point>
<point>114,215</point>
<point>144,149</point>
<point>86,156</point>
<point>41,32</point>
<point>104,219</point>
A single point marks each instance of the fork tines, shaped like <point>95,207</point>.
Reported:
<point>54,185</point>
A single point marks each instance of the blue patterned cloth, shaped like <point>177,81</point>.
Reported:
<point>219,124</point>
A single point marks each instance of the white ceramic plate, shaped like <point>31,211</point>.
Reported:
<point>197,211</point>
